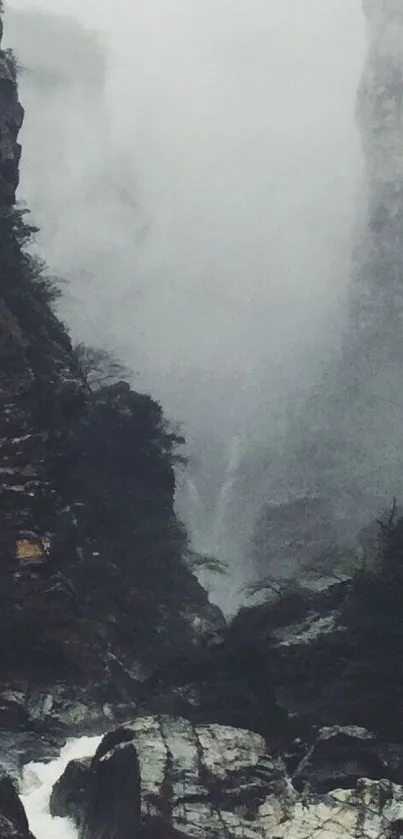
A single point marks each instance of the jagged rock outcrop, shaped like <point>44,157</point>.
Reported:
<point>70,793</point>
<point>335,657</point>
<point>373,810</point>
<point>163,777</point>
<point>342,755</point>
<point>11,118</point>
<point>199,780</point>
<point>343,442</point>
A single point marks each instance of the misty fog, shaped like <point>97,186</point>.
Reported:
<point>195,169</point>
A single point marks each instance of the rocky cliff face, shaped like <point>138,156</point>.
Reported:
<point>343,443</point>
<point>36,364</point>
<point>94,587</point>
<point>11,116</point>
<point>371,379</point>
<point>379,302</point>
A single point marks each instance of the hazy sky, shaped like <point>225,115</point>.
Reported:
<point>204,193</point>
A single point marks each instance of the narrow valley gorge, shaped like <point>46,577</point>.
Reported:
<point>131,705</point>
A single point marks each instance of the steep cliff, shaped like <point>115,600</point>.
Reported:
<point>94,586</point>
<point>34,349</point>
<point>373,381</point>
<point>378,293</point>
<point>342,448</point>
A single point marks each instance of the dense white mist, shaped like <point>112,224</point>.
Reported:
<point>194,173</point>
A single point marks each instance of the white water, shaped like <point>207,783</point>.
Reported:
<point>36,787</point>
<point>225,494</point>
<point>209,520</point>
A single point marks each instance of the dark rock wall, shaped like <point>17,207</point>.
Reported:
<point>93,583</point>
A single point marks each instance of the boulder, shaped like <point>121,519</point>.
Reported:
<point>340,756</point>
<point>70,793</point>
<point>113,807</point>
<point>13,820</point>
<point>374,810</point>
<point>164,776</point>
<point>11,807</point>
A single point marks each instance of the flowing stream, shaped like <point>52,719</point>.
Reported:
<point>36,788</point>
